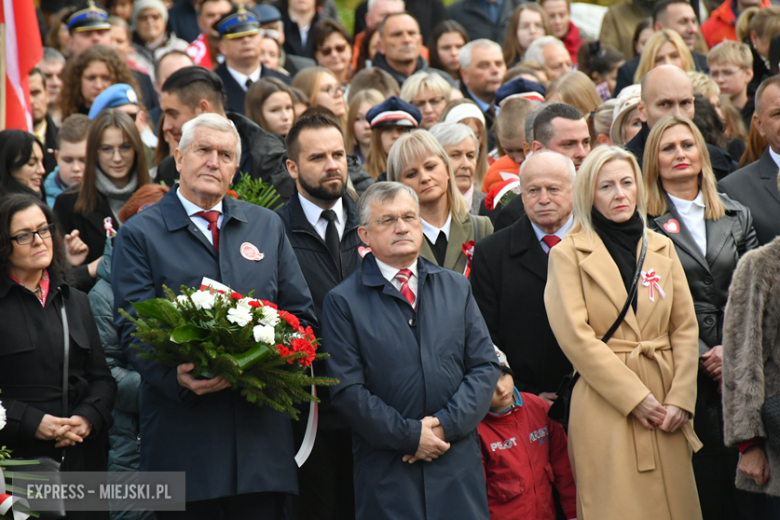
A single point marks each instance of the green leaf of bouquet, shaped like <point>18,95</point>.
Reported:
<point>153,309</point>
<point>250,357</point>
<point>187,333</point>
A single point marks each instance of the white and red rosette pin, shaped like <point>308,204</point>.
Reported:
<point>650,280</point>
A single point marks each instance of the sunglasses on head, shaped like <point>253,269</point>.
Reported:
<point>338,48</point>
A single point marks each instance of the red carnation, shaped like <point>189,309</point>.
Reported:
<point>284,352</point>
<point>301,345</point>
<point>490,197</point>
<point>269,304</point>
<point>236,296</point>
<point>308,334</point>
<point>232,194</point>
<point>256,304</point>
<point>291,320</point>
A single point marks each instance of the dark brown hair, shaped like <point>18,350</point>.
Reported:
<point>442,28</point>
<point>314,118</point>
<point>88,193</point>
<point>323,29</point>
<point>257,95</point>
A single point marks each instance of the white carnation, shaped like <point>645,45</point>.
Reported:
<point>240,315</point>
<point>270,317</point>
<point>182,300</point>
<point>203,300</point>
<point>244,302</point>
<point>264,334</point>
<point>2,416</point>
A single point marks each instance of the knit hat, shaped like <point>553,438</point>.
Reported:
<point>88,17</point>
<point>627,100</point>
<point>394,111</point>
<point>140,5</point>
<point>114,96</point>
<point>520,87</point>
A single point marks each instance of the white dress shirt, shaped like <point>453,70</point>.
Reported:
<point>433,232</point>
<point>775,157</point>
<point>389,273</point>
<point>314,216</point>
<point>241,79</point>
<point>201,222</point>
<point>692,213</point>
<point>560,233</point>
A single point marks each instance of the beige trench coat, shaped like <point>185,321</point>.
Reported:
<point>624,471</point>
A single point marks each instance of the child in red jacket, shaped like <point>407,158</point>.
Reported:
<point>524,453</point>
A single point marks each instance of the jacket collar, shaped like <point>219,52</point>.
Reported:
<point>56,283</point>
<point>523,243</point>
<point>299,222</point>
<point>372,277</point>
<point>176,218</point>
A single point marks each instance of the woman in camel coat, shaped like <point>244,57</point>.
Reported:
<point>630,431</point>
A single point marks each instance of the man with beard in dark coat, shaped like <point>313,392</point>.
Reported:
<point>192,91</point>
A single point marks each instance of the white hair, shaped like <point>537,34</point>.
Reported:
<point>382,193</point>
<point>547,155</point>
<point>211,121</point>
<point>464,56</point>
<point>372,2</point>
<point>452,134</point>
<point>535,51</point>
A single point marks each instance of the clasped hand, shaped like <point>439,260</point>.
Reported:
<point>432,442</point>
<point>199,386</point>
<point>668,417</point>
<point>65,431</point>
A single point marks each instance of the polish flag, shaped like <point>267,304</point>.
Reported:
<point>20,51</point>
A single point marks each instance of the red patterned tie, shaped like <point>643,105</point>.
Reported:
<point>403,276</point>
<point>212,217</point>
<point>551,241</point>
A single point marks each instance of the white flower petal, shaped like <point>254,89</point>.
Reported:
<point>264,334</point>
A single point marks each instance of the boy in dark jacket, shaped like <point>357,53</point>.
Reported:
<point>524,453</point>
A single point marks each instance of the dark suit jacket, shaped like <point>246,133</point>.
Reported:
<point>250,447</point>
<point>510,214</point>
<point>476,22</point>
<point>236,95</point>
<point>489,118</point>
<point>626,73</point>
<point>49,161</point>
<point>755,186</point>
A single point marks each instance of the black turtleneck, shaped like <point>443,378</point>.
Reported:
<point>621,239</point>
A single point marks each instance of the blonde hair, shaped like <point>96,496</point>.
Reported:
<point>654,44</point>
<point>424,79</point>
<point>372,96</point>
<point>728,51</point>
<point>585,187</point>
<point>576,89</point>
<point>704,85</point>
<point>512,50</point>
<point>308,81</point>
<point>417,146</point>
<point>656,195</point>
<point>602,117</point>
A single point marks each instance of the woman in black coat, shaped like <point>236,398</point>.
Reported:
<point>21,164</point>
<point>32,295</point>
<point>711,233</point>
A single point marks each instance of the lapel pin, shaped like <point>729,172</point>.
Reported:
<point>672,226</point>
<point>250,252</point>
<point>650,280</point>
<point>363,251</point>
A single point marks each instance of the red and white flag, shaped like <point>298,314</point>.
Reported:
<point>22,50</point>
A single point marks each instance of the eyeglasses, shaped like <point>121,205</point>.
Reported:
<point>27,238</point>
<point>109,151</point>
<point>333,91</point>
<point>433,102</point>
<point>726,73</point>
<point>388,222</point>
<point>338,48</point>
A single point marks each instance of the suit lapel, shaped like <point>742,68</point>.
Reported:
<point>102,210</point>
<point>768,172</point>
<point>683,238</point>
<point>718,233</point>
<point>526,248</point>
<point>662,265</point>
<point>459,235</point>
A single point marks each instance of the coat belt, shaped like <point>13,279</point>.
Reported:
<point>639,356</point>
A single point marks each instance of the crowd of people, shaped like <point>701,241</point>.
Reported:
<point>480,200</point>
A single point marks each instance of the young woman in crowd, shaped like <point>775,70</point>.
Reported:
<point>756,27</point>
<point>447,38</point>
<point>323,88</point>
<point>638,389</point>
<point>358,132</point>
<point>21,164</point>
<point>644,30</point>
<point>35,302</point>
<point>419,161</point>
<point>116,168</point>
<point>664,48</point>
<point>430,93</point>
<point>625,118</point>
<point>710,233</point>
<point>271,54</point>
<point>600,64</point>
<point>467,112</point>
<point>89,74</point>
<point>333,49</point>
<point>389,120</point>
<point>462,147</point>
<point>269,103</point>
<point>528,23</point>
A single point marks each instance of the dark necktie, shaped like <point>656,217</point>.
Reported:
<point>212,217</point>
<point>248,83</point>
<point>551,241</point>
<point>332,241</point>
<point>439,248</point>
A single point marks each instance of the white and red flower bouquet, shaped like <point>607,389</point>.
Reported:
<point>255,346</point>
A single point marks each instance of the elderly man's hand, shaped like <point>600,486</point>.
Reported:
<point>431,445</point>
<point>200,387</point>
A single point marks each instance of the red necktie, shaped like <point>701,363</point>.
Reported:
<point>212,217</point>
<point>551,241</point>
<point>403,276</point>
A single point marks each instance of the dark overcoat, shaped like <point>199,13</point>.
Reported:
<point>226,445</point>
<point>396,366</point>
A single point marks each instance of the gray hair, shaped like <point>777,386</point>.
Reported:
<point>51,54</point>
<point>452,134</point>
<point>535,51</point>
<point>212,121</point>
<point>548,155</point>
<point>382,193</point>
<point>529,121</point>
<point>464,56</point>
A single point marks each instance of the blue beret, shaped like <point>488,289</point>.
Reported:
<point>394,111</point>
<point>522,88</point>
<point>114,96</point>
<point>266,13</point>
<point>237,23</point>
<point>88,17</point>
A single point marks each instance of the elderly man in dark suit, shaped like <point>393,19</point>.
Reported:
<point>509,274</point>
<point>195,231</point>
<point>755,185</point>
<point>414,384</point>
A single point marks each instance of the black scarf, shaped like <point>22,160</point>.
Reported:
<point>621,239</point>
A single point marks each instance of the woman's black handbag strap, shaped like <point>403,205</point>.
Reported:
<point>65,360</point>
<point>559,411</point>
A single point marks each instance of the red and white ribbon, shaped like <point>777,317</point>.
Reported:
<point>108,225</point>
<point>650,280</point>
<point>468,250</point>
<point>6,504</point>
